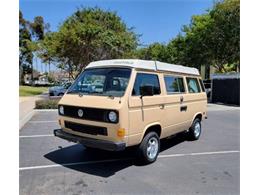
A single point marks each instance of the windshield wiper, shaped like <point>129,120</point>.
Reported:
<point>111,96</point>
<point>78,92</point>
<point>72,92</point>
<point>81,93</point>
<point>95,92</point>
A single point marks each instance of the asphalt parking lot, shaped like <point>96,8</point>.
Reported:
<point>49,165</point>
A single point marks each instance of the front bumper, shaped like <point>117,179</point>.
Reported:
<point>90,142</point>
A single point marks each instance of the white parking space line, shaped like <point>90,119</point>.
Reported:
<point>72,164</point>
<point>198,154</point>
<point>113,160</point>
<point>32,136</point>
<point>55,121</point>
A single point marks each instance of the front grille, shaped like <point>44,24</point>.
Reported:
<point>94,114</point>
<point>88,129</point>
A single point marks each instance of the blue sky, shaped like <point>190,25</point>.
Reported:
<point>155,20</point>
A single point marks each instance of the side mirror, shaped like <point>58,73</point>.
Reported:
<point>146,90</point>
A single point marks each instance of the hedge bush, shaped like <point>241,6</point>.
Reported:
<point>47,104</point>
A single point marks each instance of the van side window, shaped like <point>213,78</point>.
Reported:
<point>193,85</point>
<point>174,84</point>
<point>144,79</point>
<point>202,85</point>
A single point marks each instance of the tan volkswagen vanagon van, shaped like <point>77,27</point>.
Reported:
<point>114,104</point>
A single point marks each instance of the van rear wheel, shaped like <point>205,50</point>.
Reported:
<point>195,129</point>
<point>149,148</point>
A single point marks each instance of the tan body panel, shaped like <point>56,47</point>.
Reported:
<point>148,111</point>
<point>103,102</point>
<point>91,101</point>
<point>143,113</point>
<point>136,115</point>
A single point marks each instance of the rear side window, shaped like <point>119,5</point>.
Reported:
<point>202,85</point>
<point>193,85</point>
<point>144,79</point>
<point>174,84</point>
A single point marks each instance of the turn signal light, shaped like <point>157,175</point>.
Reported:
<point>121,132</point>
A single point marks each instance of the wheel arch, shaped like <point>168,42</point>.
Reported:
<point>197,115</point>
<point>156,127</point>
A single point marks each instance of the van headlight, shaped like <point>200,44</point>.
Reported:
<point>112,116</point>
<point>61,110</point>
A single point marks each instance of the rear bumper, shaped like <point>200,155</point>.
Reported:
<point>90,142</point>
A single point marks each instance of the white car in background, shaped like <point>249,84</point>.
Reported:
<point>59,90</point>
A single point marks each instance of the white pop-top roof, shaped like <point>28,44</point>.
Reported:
<point>145,64</point>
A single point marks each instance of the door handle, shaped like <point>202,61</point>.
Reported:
<point>181,99</point>
<point>183,108</point>
<point>161,106</point>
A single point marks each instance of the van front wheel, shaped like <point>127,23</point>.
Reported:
<point>149,148</point>
<point>195,130</point>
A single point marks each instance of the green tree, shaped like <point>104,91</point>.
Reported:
<point>192,48</point>
<point>210,39</point>
<point>38,30</point>
<point>225,34</point>
<point>89,34</point>
<point>176,50</point>
<point>25,52</point>
<point>155,51</point>
<point>30,34</point>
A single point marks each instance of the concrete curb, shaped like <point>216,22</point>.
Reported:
<point>26,108</point>
<point>221,107</point>
<point>26,118</point>
<point>46,110</point>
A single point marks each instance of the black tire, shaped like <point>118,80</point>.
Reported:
<point>195,130</point>
<point>60,94</point>
<point>143,147</point>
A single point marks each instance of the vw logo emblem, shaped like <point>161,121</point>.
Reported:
<point>80,112</point>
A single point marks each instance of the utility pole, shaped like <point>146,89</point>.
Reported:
<point>49,66</point>
<point>36,60</point>
<point>32,72</point>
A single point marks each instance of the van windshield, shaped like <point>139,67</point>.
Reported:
<point>102,81</point>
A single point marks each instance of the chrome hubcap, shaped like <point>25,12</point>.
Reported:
<point>197,129</point>
<point>152,148</point>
